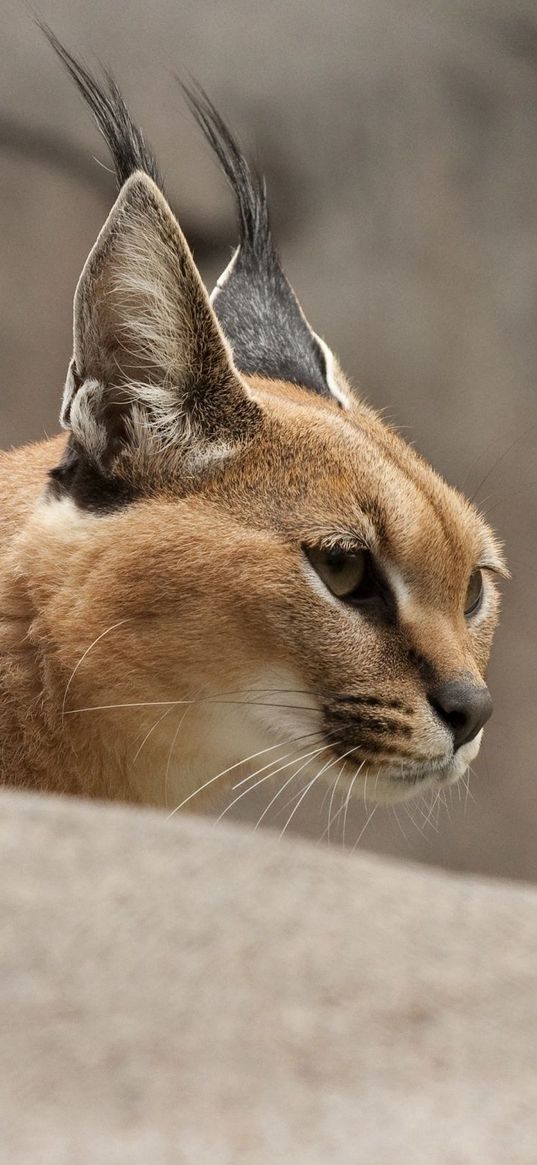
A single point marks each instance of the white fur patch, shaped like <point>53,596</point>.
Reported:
<point>331,378</point>
<point>85,408</point>
<point>464,757</point>
<point>398,585</point>
<point>223,278</point>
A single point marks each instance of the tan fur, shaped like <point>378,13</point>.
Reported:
<point>206,629</point>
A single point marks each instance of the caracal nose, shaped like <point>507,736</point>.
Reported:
<point>464,706</point>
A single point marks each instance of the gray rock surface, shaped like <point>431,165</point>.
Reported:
<point>171,992</point>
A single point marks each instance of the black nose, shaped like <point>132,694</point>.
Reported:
<point>463,706</point>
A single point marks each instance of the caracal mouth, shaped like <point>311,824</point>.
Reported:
<point>392,783</point>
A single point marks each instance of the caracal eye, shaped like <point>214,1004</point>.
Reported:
<point>344,574</point>
<point>474,594</point>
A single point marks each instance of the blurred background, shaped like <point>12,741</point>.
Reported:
<point>399,140</point>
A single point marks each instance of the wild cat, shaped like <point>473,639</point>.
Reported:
<point>230,559</point>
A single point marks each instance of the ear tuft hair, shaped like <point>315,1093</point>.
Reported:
<point>248,187</point>
<point>253,301</point>
<point>123,137</point>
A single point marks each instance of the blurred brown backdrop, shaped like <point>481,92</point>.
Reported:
<point>400,143</point>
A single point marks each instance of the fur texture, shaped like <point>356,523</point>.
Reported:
<point>161,621</point>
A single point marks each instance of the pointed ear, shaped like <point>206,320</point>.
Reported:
<point>151,368</point>
<point>253,299</point>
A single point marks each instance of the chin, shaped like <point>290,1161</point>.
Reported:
<point>462,759</point>
<point>397,783</point>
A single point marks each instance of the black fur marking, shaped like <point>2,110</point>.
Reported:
<point>91,489</point>
<point>378,725</point>
<point>256,306</point>
<point>375,702</point>
<point>374,751</point>
<point>124,139</point>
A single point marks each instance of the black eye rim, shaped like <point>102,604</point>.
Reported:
<point>372,589</point>
<point>475,606</point>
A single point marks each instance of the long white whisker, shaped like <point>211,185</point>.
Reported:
<point>289,801</point>
<point>174,703</point>
<point>273,773</point>
<point>328,765</point>
<point>330,818</point>
<point>280,791</point>
<point>346,809</point>
<point>250,776</point>
<point>149,733</point>
<point>224,772</point>
<point>84,656</point>
<point>466,779</point>
<point>299,802</point>
<point>343,803</point>
<point>362,831</point>
<point>416,824</point>
<point>429,818</point>
<point>400,827</point>
<point>170,753</point>
<point>450,806</point>
<point>325,798</point>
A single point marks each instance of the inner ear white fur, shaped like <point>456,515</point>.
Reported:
<point>331,374</point>
<point>223,278</point>
<point>150,361</point>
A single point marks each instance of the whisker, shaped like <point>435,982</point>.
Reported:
<point>280,791</point>
<point>148,734</point>
<point>299,802</point>
<point>224,772</point>
<point>175,703</point>
<point>170,753</point>
<point>346,809</point>
<point>469,794</point>
<point>340,810</point>
<point>429,818</point>
<point>443,800</point>
<point>439,805</point>
<point>400,827</point>
<point>268,776</point>
<point>289,802</point>
<point>250,776</point>
<point>324,769</point>
<point>84,656</point>
<point>362,831</point>
<point>335,817</point>
<point>325,799</point>
<point>417,825</point>
<point>521,437</point>
<point>330,818</point>
<point>450,806</point>
<point>412,819</point>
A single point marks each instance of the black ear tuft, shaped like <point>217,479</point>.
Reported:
<point>248,187</point>
<point>253,300</point>
<point>124,139</point>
